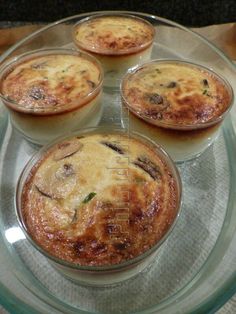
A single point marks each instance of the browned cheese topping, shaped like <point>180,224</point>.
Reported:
<point>176,94</point>
<point>114,34</point>
<point>99,199</point>
<point>51,81</point>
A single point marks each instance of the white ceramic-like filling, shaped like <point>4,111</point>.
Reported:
<point>184,147</point>
<point>43,129</point>
<point>103,278</point>
<point>116,66</point>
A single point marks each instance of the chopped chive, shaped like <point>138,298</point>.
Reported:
<point>89,197</point>
<point>207,93</point>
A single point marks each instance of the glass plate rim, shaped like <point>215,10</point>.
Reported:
<point>229,287</point>
<point>9,300</point>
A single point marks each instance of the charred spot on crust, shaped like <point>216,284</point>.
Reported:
<point>115,147</point>
<point>79,247</point>
<point>88,247</point>
<point>148,166</point>
<point>153,114</point>
<point>113,44</point>
<point>120,246</point>
<point>136,216</point>
<point>98,247</point>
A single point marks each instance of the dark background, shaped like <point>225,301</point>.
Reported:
<point>187,12</point>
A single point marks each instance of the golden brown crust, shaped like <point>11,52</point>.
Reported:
<point>114,35</point>
<point>99,210</point>
<point>47,83</point>
<point>176,94</point>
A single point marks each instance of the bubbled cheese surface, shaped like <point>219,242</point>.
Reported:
<point>99,200</point>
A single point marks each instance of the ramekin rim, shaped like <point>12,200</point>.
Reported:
<point>179,127</point>
<point>9,64</point>
<point>107,52</point>
<point>38,155</point>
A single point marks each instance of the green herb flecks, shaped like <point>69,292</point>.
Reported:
<point>158,71</point>
<point>89,197</point>
<point>206,92</point>
<point>66,69</point>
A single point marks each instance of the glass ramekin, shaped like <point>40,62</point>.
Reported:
<point>182,141</point>
<point>42,125</point>
<point>116,63</point>
<point>111,274</point>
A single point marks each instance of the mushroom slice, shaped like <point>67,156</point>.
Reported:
<point>156,101</point>
<point>56,180</point>
<point>114,146</point>
<point>67,149</point>
<point>148,166</point>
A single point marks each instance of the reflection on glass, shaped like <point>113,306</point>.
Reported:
<point>14,234</point>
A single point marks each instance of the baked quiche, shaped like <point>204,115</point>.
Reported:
<point>113,34</point>
<point>50,83</point>
<point>100,199</point>
<point>176,94</point>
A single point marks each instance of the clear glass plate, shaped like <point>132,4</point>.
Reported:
<point>196,268</point>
